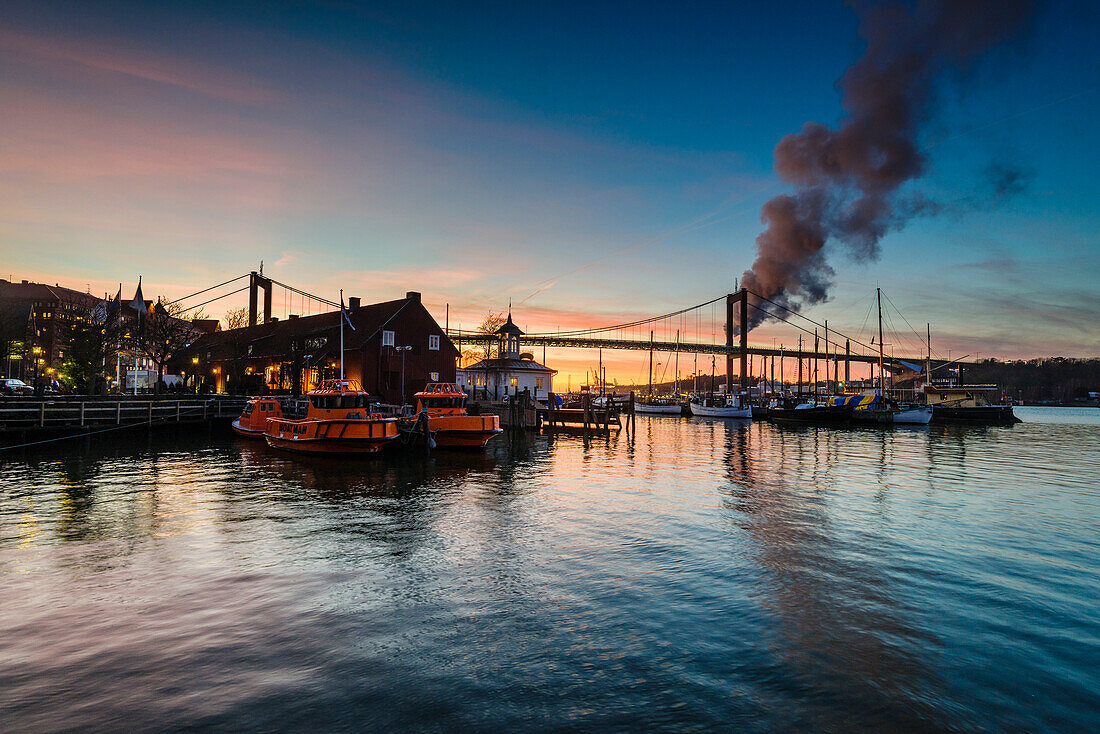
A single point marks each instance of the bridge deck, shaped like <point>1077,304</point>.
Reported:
<point>550,340</point>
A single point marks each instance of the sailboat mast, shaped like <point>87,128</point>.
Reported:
<point>651,364</point>
<point>677,363</point>
<point>881,376</point>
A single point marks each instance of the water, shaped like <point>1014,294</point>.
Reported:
<point>707,575</point>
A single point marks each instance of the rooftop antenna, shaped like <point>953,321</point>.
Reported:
<point>261,267</point>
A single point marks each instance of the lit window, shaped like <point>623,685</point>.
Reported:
<point>538,383</point>
<point>433,342</point>
<point>513,382</point>
<point>387,338</point>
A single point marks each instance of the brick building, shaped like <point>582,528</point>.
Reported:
<point>33,321</point>
<point>295,355</point>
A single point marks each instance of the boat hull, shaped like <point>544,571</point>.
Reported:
<point>244,431</point>
<point>913,416</point>
<point>657,409</point>
<point>820,415</point>
<point>707,411</point>
<point>331,437</point>
<point>1000,415</point>
<point>460,439</point>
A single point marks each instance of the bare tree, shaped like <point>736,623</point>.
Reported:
<point>92,336</point>
<point>235,318</point>
<point>493,321</point>
<point>164,333</point>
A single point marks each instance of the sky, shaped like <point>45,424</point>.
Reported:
<point>589,163</point>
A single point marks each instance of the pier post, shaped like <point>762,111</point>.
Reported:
<point>82,414</point>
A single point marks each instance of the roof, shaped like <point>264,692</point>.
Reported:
<point>504,364</point>
<point>508,328</point>
<point>27,291</point>
<point>317,336</point>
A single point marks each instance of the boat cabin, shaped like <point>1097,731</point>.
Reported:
<point>441,398</point>
<point>961,396</point>
<point>257,411</point>
<point>338,399</point>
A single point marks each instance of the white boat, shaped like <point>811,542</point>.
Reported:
<point>657,408</point>
<point>914,415</point>
<point>731,407</point>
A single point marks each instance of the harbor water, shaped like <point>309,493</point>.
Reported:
<point>702,575</point>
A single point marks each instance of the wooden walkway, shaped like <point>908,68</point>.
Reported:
<point>83,414</point>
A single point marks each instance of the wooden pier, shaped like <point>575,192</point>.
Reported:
<point>23,417</point>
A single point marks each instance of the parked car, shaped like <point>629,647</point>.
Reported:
<point>15,387</point>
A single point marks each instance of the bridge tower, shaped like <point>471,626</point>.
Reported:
<point>741,298</point>
<point>256,282</point>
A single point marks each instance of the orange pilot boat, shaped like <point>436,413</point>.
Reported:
<point>444,405</point>
<point>254,417</point>
<point>337,422</point>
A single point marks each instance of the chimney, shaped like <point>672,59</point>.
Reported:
<point>353,303</point>
<point>412,296</point>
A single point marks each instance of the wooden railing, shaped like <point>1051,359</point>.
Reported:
<point>20,415</point>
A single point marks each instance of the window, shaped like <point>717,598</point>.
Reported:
<point>387,338</point>
<point>513,382</point>
<point>433,342</point>
<point>538,383</point>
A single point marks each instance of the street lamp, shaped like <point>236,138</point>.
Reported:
<point>402,350</point>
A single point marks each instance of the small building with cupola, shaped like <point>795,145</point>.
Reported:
<point>507,370</point>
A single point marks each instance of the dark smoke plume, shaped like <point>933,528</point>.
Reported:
<point>846,180</point>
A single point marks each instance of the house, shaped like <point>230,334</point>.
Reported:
<point>510,372</point>
<point>391,349</point>
<point>33,322</point>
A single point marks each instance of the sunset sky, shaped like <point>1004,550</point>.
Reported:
<point>591,163</point>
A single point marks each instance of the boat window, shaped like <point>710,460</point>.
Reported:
<point>248,409</point>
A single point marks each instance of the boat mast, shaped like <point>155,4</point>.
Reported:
<point>677,363</point>
<point>650,364</point>
<point>881,376</point>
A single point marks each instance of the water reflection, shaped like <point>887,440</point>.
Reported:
<point>700,574</point>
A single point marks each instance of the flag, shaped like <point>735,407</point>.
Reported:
<point>99,313</point>
<point>115,305</point>
<point>138,304</point>
<point>344,314</point>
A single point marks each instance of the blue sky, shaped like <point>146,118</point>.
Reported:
<point>496,151</point>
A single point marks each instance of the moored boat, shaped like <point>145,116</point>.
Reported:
<point>254,417</point>
<point>337,422</point>
<point>443,405</point>
<point>732,406</point>
<point>811,413</point>
<point>657,406</point>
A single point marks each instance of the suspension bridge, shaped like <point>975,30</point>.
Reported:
<point>817,342</point>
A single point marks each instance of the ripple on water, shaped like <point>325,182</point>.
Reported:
<point>702,575</point>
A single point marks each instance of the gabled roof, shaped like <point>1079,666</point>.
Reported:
<point>317,336</point>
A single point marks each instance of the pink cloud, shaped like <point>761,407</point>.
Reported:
<point>189,75</point>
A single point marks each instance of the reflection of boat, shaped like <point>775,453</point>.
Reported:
<point>337,421</point>
<point>254,417</point>
<point>732,406</point>
<point>811,413</point>
<point>444,405</point>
